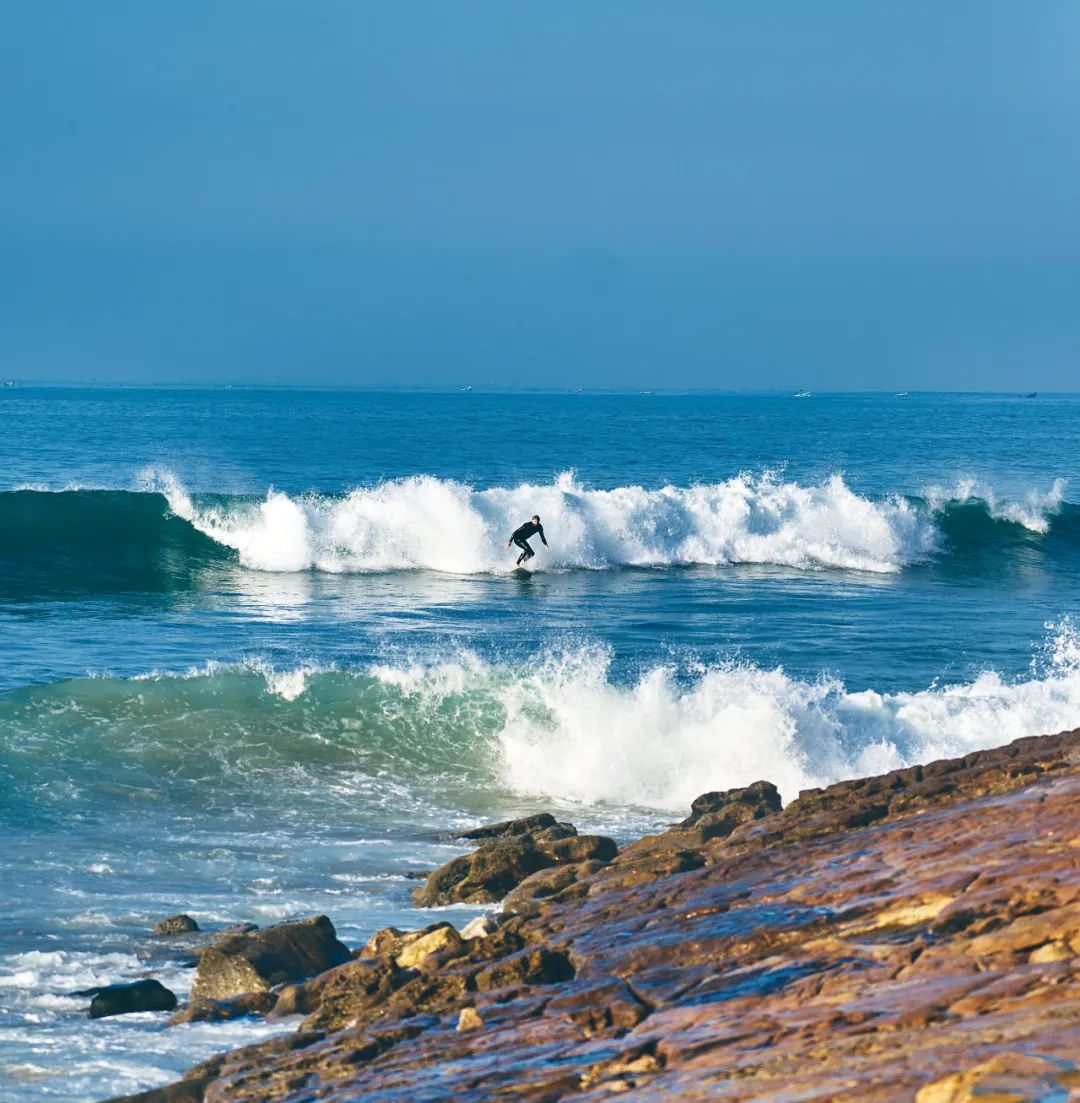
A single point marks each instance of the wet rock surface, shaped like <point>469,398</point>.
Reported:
<point>255,961</point>
<point>127,999</point>
<point>175,924</point>
<point>911,936</point>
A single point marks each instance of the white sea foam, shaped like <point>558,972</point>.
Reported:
<point>570,732</point>
<point>1034,510</point>
<point>448,526</point>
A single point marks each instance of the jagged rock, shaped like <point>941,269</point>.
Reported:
<point>126,999</point>
<point>508,829</point>
<point>440,940</point>
<point>717,814</point>
<point>338,996</point>
<point>390,942</point>
<point>533,965</point>
<point>175,924</point>
<point>481,927</point>
<point>547,886</point>
<point>485,876</point>
<point>922,953</point>
<point>260,960</point>
<point>220,1011</point>
<point>512,851</point>
<point>469,1019</point>
<point>581,848</point>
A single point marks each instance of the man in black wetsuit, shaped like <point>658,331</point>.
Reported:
<point>521,538</point>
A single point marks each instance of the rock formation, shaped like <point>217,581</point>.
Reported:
<point>910,936</point>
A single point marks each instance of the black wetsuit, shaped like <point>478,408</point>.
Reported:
<point>521,538</point>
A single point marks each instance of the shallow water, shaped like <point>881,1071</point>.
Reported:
<point>260,649</point>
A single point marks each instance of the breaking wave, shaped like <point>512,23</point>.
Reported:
<point>163,537</point>
<point>241,738</point>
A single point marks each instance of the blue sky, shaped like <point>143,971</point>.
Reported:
<point>732,195</point>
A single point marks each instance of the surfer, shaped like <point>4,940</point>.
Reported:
<point>521,538</point>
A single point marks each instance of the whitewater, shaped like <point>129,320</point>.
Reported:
<point>444,525</point>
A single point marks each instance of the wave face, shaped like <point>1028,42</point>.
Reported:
<point>236,740</point>
<point>163,537</point>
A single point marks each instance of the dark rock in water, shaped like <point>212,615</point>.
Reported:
<point>220,1011</point>
<point>126,999</point>
<point>259,960</point>
<point>175,924</point>
<point>527,825</point>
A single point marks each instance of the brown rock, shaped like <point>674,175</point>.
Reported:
<point>469,1019</point>
<point>509,829</point>
<point>921,953</point>
<point>260,960</point>
<point>441,940</point>
<point>581,848</point>
<point>175,924</point>
<point>536,965</point>
<point>485,876</point>
<point>549,886</point>
<point>127,999</point>
<point>219,1011</point>
<point>339,996</point>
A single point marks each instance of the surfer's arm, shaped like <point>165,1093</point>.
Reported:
<point>543,538</point>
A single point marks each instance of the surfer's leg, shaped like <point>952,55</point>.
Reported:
<point>526,551</point>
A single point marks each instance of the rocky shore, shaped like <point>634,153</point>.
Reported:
<point>910,936</point>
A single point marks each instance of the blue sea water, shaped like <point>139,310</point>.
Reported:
<point>260,649</point>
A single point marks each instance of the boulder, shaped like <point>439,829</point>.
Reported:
<point>126,999</point>
<point>469,1019</point>
<point>581,848</point>
<point>334,999</point>
<point>508,829</point>
<point>220,1011</point>
<point>483,926</point>
<point>175,924</point>
<point>485,876</point>
<point>444,939</point>
<point>717,814</point>
<point>259,960</point>
<point>549,886</point>
<point>533,965</point>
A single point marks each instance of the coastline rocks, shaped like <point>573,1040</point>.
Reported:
<point>914,936</point>
<point>716,815</point>
<point>126,999</point>
<point>550,886</point>
<point>256,961</point>
<point>508,853</point>
<point>175,924</point>
<point>220,1011</point>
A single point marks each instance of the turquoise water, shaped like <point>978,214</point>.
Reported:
<point>261,648</point>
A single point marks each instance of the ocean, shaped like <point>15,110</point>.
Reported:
<point>261,650</point>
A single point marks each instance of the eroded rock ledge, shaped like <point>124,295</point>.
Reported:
<point>910,936</point>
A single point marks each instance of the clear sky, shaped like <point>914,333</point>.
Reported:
<point>606,193</point>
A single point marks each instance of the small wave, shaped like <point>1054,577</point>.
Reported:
<point>1034,511</point>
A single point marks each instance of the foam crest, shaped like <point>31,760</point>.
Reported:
<point>443,525</point>
<point>1034,511</point>
<point>567,731</point>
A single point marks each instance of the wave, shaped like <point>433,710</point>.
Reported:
<point>162,536</point>
<point>400,738</point>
